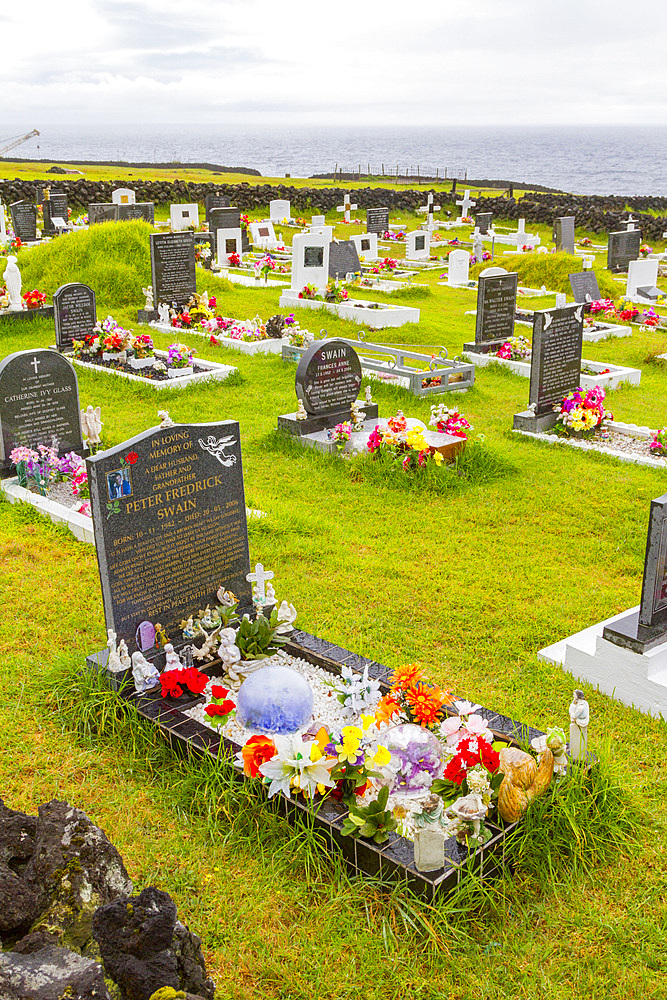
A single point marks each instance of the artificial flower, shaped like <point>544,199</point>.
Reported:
<point>256,751</point>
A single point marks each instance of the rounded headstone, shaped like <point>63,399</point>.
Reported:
<point>328,377</point>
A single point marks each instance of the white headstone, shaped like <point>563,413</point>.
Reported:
<point>318,220</point>
<point>367,245</point>
<point>418,245</point>
<point>459,262</point>
<point>263,235</point>
<point>642,281</point>
<point>310,260</point>
<point>279,210</point>
<point>492,272</point>
<point>347,207</point>
<point>466,204</point>
<point>123,196</point>
<point>228,241</point>
<point>183,216</point>
<point>561,300</point>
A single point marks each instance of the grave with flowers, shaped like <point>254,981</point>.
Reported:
<point>403,778</point>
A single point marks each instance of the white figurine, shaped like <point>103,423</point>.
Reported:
<point>91,424</point>
<point>111,639</point>
<point>478,246</point>
<point>226,597</point>
<point>270,594</point>
<point>124,655</point>
<point>207,651</point>
<point>12,278</point>
<point>579,718</point>
<point>165,419</point>
<point>145,675</point>
<point>301,411</point>
<point>163,314</point>
<point>286,618</point>
<point>173,661</point>
<point>228,651</point>
<point>148,292</point>
<point>369,398</point>
<point>113,660</point>
<point>357,416</point>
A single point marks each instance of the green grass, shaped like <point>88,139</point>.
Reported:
<point>536,542</point>
<point>552,270</point>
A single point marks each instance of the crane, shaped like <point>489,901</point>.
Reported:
<point>17,140</point>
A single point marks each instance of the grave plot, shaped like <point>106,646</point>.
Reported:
<point>311,717</point>
<point>15,302</point>
<point>625,442</point>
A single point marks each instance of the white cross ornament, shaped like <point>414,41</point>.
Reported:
<point>34,363</point>
<point>259,578</point>
<point>630,223</point>
<point>429,208</point>
<point>346,207</point>
<point>466,204</point>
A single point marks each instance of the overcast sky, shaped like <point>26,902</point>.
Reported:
<point>360,62</point>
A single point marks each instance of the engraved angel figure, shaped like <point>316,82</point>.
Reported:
<point>216,447</point>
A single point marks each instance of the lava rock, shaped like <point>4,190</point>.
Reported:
<point>17,836</point>
<point>18,903</point>
<point>51,974</point>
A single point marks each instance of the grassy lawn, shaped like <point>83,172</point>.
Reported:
<point>472,584</point>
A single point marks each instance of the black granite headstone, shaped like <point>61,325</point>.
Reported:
<point>170,524</point>
<point>74,313</point>
<point>584,286</point>
<point>483,221</point>
<point>343,259</point>
<point>59,206</point>
<point>173,267</point>
<point>39,403</point>
<point>102,212</point>
<point>377,220</point>
<point>555,364</point>
<point>496,305</point>
<point>225,217</point>
<point>564,233</point>
<point>139,210</point>
<point>24,220</point>
<point>622,248</point>
<point>328,377</point>
<point>215,201</point>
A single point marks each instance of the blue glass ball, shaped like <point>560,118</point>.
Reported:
<point>275,699</point>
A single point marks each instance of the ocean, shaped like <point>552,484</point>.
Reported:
<point>583,159</point>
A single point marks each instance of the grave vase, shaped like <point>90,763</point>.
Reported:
<point>140,362</point>
<point>177,372</point>
<point>112,355</point>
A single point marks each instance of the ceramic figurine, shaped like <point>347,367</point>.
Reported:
<point>478,246</point>
<point>228,651</point>
<point>145,675</point>
<point>113,659</point>
<point>209,619</point>
<point>111,639</point>
<point>554,740</point>
<point>226,597</point>
<point>191,629</point>
<point>270,594</point>
<point>207,651</point>
<point>357,416</point>
<point>163,314</point>
<point>579,718</point>
<point>432,809</point>
<point>148,292</point>
<point>12,278</point>
<point>187,659</point>
<point>286,618</point>
<point>173,661</point>
<point>524,780</point>
<point>301,411</point>
<point>165,419</point>
<point>91,424</point>
<point>124,655</point>
<point>369,398</point>
<point>161,637</point>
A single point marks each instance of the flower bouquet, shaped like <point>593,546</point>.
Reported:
<point>179,360</point>
<point>143,354</point>
<point>401,446</point>
<point>341,435</point>
<point>308,292</point>
<point>581,413</point>
<point>658,446</point>
<point>234,260</point>
<point>645,250</point>
<point>448,421</point>
<point>263,266</point>
<point>335,291</point>
<point>514,349</point>
<point>113,340</point>
<point>34,299</point>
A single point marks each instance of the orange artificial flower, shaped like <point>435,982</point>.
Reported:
<point>256,751</point>
<point>406,676</point>
<point>387,707</point>
<point>425,702</point>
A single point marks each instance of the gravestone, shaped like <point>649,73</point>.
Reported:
<point>136,210</point>
<point>377,220</point>
<point>327,381</point>
<point>102,212</point>
<point>39,403</point>
<point>458,270</point>
<point>483,221</point>
<point>184,216</point>
<point>418,245</point>
<point>343,259</point>
<point>228,218</point>
<point>564,233</point>
<point>555,364</point>
<point>173,267</point>
<point>228,242</point>
<point>496,306</point>
<point>59,206</point>
<point>215,201</point>
<point>310,261</point>
<point>24,220</point>
<point>642,281</point>
<point>367,245</point>
<point>123,196</point>
<point>647,628</point>
<point>170,524</point>
<point>280,209</point>
<point>263,235</point>
<point>74,313</point>
<point>584,286</point>
<point>622,248</point>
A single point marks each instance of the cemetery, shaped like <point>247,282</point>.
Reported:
<point>342,700</point>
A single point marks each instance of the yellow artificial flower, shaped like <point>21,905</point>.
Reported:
<point>382,756</point>
<point>437,458</point>
<point>349,732</point>
<point>348,751</point>
<point>315,752</point>
<point>322,737</point>
<point>367,721</point>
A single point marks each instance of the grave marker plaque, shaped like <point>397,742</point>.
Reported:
<point>584,286</point>
<point>74,313</point>
<point>170,524</point>
<point>59,207</point>
<point>343,259</point>
<point>555,364</point>
<point>564,233</point>
<point>39,402</point>
<point>328,377</point>
<point>173,267</point>
<point>24,220</point>
<point>483,221</point>
<point>377,220</point>
<point>622,248</point>
<point>496,306</point>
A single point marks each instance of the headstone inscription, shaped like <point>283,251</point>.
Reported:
<point>564,233</point>
<point>377,220</point>
<point>74,313</point>
<point>483,221</point>
<point>24,220</point>
<point>622,248</point>
<point>102,212</point>
<point>555,365</point>
<point>173,267</point>
<point>39,403</point>
<point>343,259</point>
<point>215,201</point>
<point>136,210</point>
<point>59,207</point>
<point>496,307</point>
<point>584,286</point>
<point>170,524</point>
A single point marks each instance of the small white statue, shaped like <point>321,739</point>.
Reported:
<point>301,411</point>
<point>369,398</point>
<point>111,639</point>
<point>124,655</point>
<point>12,278</point>
<point>163,314</point>
<point>270,593</point>
<point>207,651</point>
<point>226,597</point>
<point>286,618</point>
<point>172,661</point>
<point>579,718</point>
<point>165,419</point>
<point>91,424</point>
<point>357,416</point>
<point>113,660</point>
<point>228,651</point>
<point>204,300</point>
<point>145,675</point>
<point>148,292</point>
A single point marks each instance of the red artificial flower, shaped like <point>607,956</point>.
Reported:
<point>170,686</point>
<point>132,458</point>
<point>455,771</point>
<point>194,678</point>
<point>214,341</point>
<point>256,751</point>
<point>468,753</point>
<point>217,691</point>
<point>224,709</point>
<point>489,757</point>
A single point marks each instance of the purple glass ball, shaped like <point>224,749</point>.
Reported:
<point>275,699</point>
